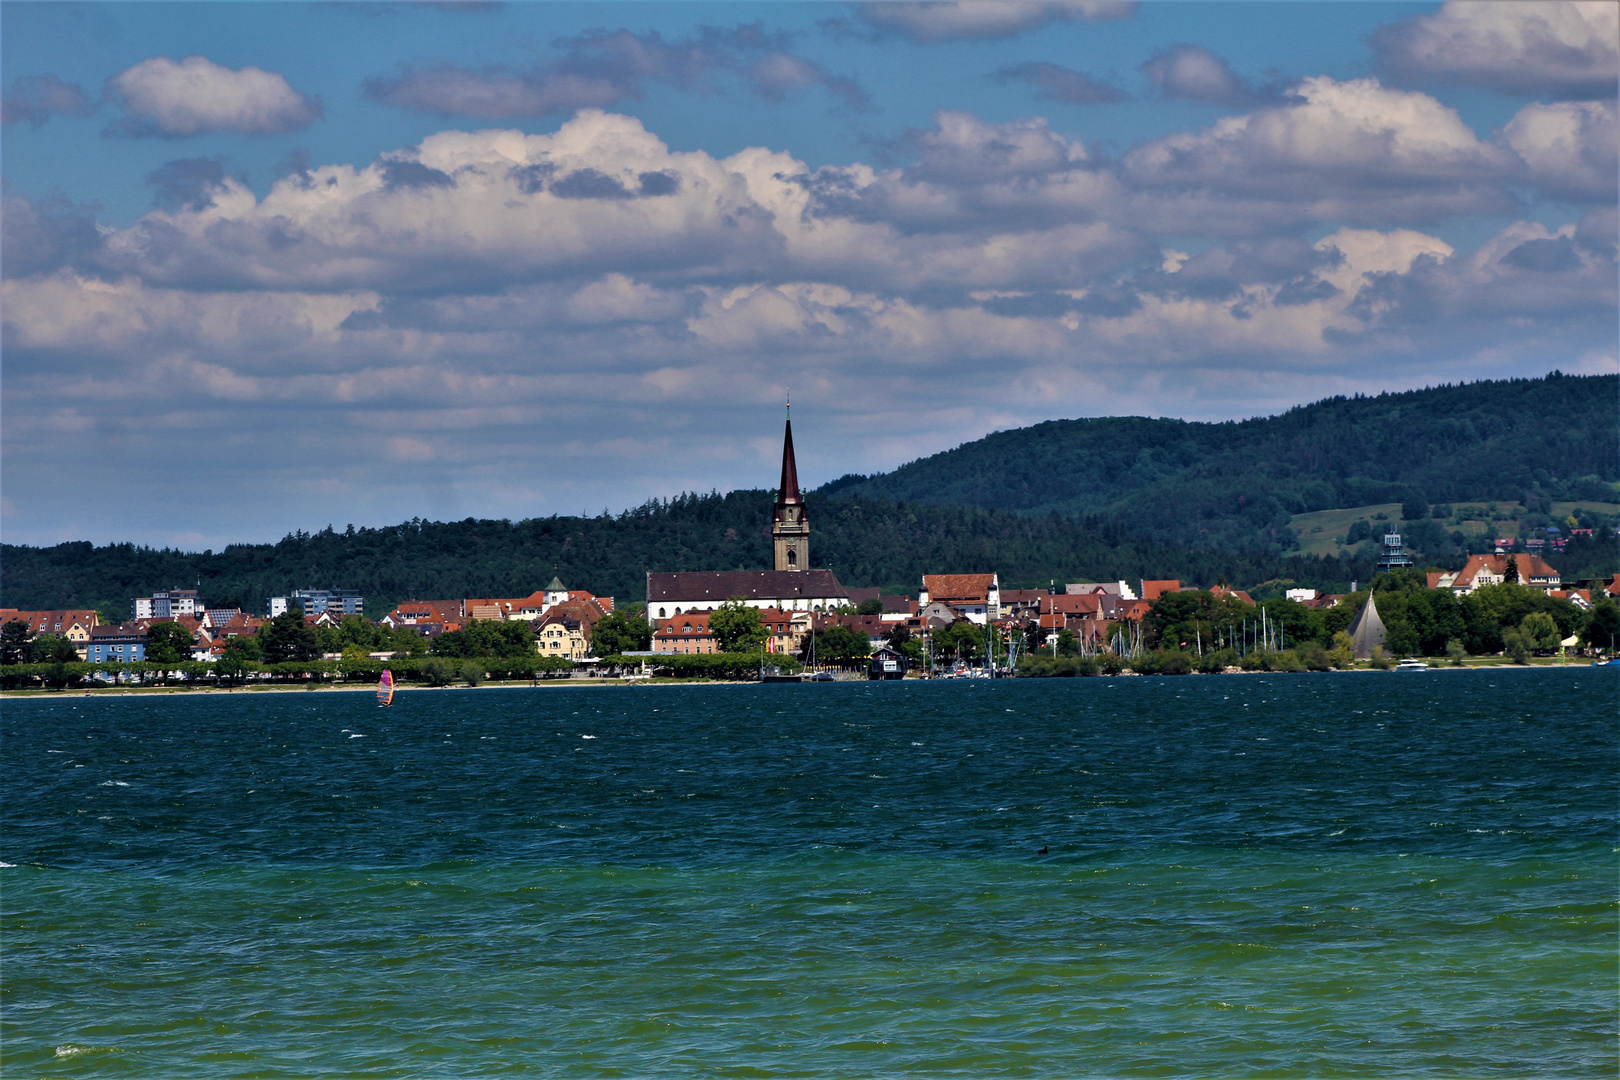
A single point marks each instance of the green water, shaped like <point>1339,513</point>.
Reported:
<point>1305,876</point>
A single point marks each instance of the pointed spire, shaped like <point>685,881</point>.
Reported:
<point>789,491</point>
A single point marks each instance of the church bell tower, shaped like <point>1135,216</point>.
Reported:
<point>790,528</point>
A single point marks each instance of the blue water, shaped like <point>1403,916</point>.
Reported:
<point>1245,876</point>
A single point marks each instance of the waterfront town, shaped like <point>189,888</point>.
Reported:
<point>957,618</point>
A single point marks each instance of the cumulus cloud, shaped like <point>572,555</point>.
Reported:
<point>36,98</point>
<point>196,95</point>
<point>188,183</point>
<point>1055,83</point>
<point>949,20</point>
<point>603,68</point>
<point>438,305</point>
<point>1567,48</point>
<point>1193,73</point>
<point>1343,151</point>
<point>47,235</point>
<point>1569,148</point>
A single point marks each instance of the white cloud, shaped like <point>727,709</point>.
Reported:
<point>362,326</point>
<point>1193,73</point>
<point>946,20</point>
<point>196,95</point>
<point>1345,151</point>
<point>1564,47</point>
<point>1569,147</point>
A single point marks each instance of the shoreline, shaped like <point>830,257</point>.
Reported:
<point>366,688</point>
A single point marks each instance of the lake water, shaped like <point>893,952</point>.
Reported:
<point>1358,875</point>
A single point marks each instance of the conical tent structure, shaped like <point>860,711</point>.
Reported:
<point>1366,629</point>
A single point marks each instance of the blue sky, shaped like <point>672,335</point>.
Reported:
<point>287,265</point>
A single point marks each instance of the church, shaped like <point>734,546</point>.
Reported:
<point>791,586</point>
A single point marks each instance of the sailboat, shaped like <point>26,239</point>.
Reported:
<point>385,689</point>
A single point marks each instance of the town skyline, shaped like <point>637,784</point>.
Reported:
<point>316,263</point>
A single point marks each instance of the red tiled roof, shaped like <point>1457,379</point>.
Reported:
<point>1529,566</point>
<point>56,621</point>
<point>1074,603</point>
<point>1219,591</point>
<point>444,611</point>
<point>1152,590</point>
<point>694,624</point>
<point>962,588</point>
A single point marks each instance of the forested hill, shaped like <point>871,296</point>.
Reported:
<point>1232,486</point>
<point>866,541</point>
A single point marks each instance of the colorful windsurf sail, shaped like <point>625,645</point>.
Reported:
<point>385,689</point>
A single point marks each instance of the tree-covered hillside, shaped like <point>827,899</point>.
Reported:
<point>866,541</point>
<point>1067,500</point>
<point>1233,486</point>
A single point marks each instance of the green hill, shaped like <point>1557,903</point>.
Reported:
<point>866,541</point>
<point>1068,500</point>
<point>1234,486</point>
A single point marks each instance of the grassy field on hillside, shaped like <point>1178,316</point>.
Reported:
<point>1323,532</point>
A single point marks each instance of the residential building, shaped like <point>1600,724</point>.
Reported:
<point>566,628</point>
<point>1480,570</point>
<point>1017,602</point>
<point>531,607</point>
<point>1152,590</point>
<point>1220,592</point>
<point>428,618</point>
<point>1117,588</point>
<point>976,597</point>
<point>167,604</point>
<point>684,634</point>
<point>75,624</point>
<point>316,601</point>
<point>125,643</point>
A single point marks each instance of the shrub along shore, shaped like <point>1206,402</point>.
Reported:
<point>424,670</point>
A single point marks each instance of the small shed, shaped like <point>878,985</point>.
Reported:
<point>887,662</point>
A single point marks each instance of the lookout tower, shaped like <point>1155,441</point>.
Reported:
<point>1394,556</point>
<point>790,528</point>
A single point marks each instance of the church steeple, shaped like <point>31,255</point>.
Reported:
<point>790,528</point>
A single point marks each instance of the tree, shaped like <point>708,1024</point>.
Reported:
<point>621,632</point>
<point>486,638</point>
<point>737,627</point>
<point>168,643</point>
<point>899,636</point>
<point>838,644</point>
<point>1414,509</point>
<point>1516,645</point>
<point>245,647</point>
<point>963,640</point>
<point>873,606</point>
<point>13,642</point>
<point>1359,531</point>
<point>1540,632</point>
<point>285,639</point>
<point>48,649</point>
<point>1602,630</point>
<point>1343,653</point>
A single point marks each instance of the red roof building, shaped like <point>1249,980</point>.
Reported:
<point>1152,590</point>
<point>1481,570</point>
<point>976,597</point>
